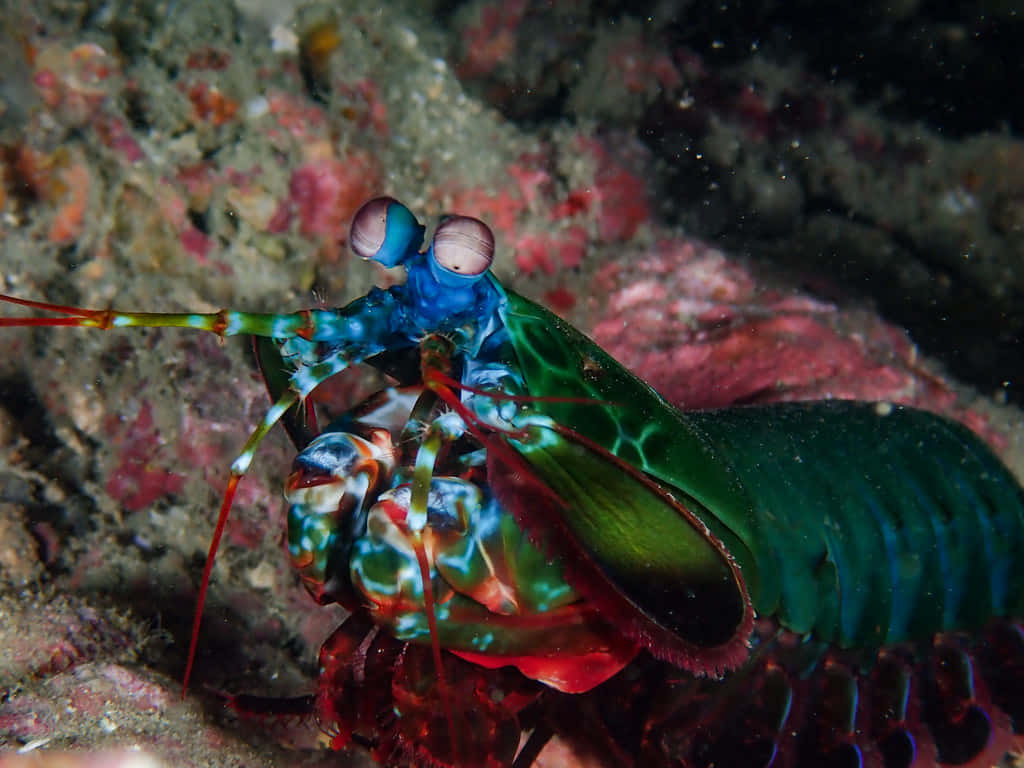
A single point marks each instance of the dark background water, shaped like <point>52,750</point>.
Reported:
<point>944,71</point>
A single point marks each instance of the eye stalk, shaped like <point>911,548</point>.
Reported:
<point>461,252</point>
<point>385,231</point>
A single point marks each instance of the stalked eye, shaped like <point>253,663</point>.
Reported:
<point>386,231</point>
<point>463,246</point>
<point>369,226</point>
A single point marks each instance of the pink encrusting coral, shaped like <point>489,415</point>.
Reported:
<point>491,37</point>
<point>617,196</point>
<point>547,227</point>
<point>296,118</point>
<point>210,104</point>
<point>500,206</point>
<point>137,481</point>
<point>70,670</point>
<point>323,193</point>
<point>703,331</point>
<point>57,637</point>
<point>76,82</point>
<point>115,134</point>
<point>550,252</point>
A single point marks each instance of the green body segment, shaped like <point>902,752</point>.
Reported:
<point>862,523</point>
<point>660,561</point>
<point>874,524</point>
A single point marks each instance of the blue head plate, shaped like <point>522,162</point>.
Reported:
<point>445,284</point>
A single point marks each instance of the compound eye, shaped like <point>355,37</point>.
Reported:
<point>464,245</point>
<point>386,231</point>
<point>369,227</point>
